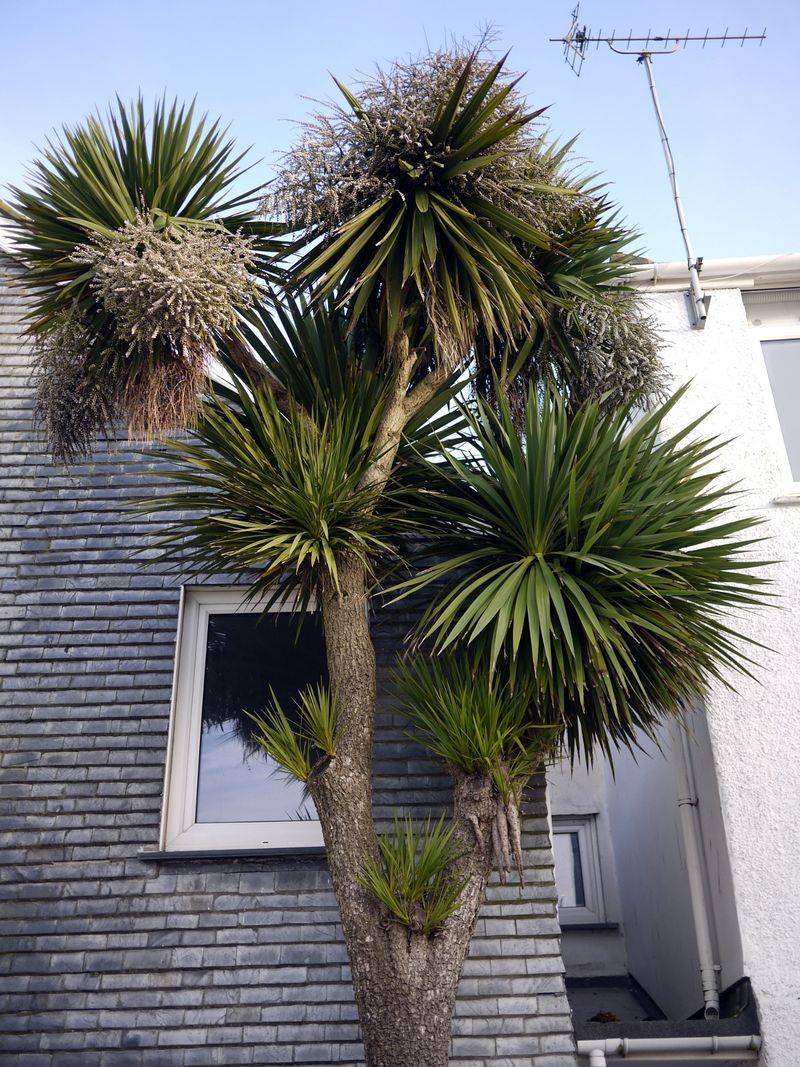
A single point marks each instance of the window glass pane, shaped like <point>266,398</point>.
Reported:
<point>783,367</point>
<point>569,872</point>
<point>246,655</point>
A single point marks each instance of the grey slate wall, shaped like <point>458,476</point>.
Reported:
<point>111,960</point>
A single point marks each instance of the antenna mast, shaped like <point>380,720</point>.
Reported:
<point>576,43</point>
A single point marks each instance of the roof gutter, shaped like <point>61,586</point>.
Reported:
<point>746,272</point>
<point>745,1047</point>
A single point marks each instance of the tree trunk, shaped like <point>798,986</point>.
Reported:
<point>404,982</point>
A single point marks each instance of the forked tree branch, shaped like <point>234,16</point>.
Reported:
<point>424,391</point>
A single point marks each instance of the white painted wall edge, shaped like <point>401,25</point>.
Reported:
<point>744,1047</point>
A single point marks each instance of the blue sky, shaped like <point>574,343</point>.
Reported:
<point>732,114</point>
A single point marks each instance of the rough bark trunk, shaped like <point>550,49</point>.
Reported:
<point>393,420</point>
<point>405,983</point>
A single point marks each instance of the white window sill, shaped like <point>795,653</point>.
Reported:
<point>179,855</point>
<point>788,497</point>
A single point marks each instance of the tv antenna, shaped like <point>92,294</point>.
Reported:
<point>576,43</point>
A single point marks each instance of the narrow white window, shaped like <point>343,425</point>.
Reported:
<point>221,790</point>
<point>577,870</point>
<point>782,358</point>
<point>774,315</point>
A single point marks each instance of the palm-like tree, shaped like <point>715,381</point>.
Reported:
<point>585,570</point>
<point>434,231</point>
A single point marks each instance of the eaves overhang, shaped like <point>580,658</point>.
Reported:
<point>746,272</point>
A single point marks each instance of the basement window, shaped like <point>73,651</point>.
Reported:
<point>222,792</point>
<point>577,870</point>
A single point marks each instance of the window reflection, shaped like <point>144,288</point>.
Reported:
<point>246,656</point>
<point>569,870</point>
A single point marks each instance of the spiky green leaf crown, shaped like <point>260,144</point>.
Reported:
<point>432,202</point>
<point>97,175</point>
<point>412,197</point>
<point>154,188</point>
<point>604,561</point>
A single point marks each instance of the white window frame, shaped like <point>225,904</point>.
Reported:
<point>777,328</point>
<point>180,831</point>
<point>594,910</point>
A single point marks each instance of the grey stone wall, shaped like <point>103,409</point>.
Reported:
<point>112,960</point>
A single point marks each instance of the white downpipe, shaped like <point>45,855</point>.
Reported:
<point>690,831</point>
<point>744,1047</point>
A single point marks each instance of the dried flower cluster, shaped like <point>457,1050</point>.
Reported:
<point>73,405</point>
<point>615,351</point>
<point>170,287</point>
<point>607,351</point>
<point>164,294</point>
<point>346,160</point>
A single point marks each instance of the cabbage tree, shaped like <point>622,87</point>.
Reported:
<point>430,233</point>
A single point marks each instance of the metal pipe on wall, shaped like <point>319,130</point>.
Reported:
<point>597,1049</point>
<point>690,832</point>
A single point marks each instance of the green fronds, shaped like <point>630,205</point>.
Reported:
<point>413,879</point>
<point>432,201</point>
<point>319,718</point>
<point>476,722</point>
<point>93,179</point>
<point>272,474</point>
<point>302,748</point>
<point>269,491</point>
<point>282,742</point>
<point>129,228</point>
<point>604,560</point>
<point>412,195</point>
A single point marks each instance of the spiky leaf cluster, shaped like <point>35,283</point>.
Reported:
<point>412,878</point>
<point>475,721</point>
<point>412,195</point>
<point>432,202</point>
<point>602,559</point>
<point>348,157</point>
<point>274,492</point>
<point>104,184</point>
<point>272,474</point>
<point>302,748</point>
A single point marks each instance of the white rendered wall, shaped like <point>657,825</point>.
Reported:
<point>755,731</point>
<point>651,871</point>
<point>652,876</point>
<point>578,791</point>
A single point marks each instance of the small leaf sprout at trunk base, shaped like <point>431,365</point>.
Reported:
<point>413,878</point>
